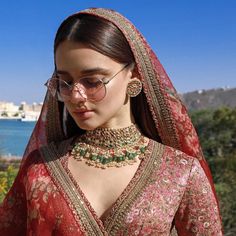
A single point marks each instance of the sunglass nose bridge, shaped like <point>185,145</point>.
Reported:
<point>77,94</point>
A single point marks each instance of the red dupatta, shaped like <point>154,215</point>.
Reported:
<point>169,115</point>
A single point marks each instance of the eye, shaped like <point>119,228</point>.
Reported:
<point>66,78</point>
<point>91,82</point>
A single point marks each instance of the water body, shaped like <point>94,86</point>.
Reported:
<point>14,136</point>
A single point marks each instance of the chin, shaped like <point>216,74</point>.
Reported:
<point>86,125</point>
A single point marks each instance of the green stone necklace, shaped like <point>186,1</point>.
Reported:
<point>105,147</point>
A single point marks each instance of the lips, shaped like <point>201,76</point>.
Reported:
<point>83,113</point>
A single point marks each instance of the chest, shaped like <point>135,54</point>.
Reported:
<point>101,187</point>
<point>146,206</point>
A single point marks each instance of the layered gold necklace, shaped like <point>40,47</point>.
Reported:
<point>104,147</point>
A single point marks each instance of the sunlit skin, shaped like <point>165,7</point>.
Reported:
<point>114,110</point>
<point>101,187</point>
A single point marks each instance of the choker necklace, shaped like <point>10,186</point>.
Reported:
<point>104,147</point>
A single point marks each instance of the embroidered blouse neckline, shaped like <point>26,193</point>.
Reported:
<point>56,161</point>
<point>108,214</point>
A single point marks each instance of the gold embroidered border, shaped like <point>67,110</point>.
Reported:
<point>115,221</point>
<point>174,232</point>
<point>159,106</point>
<point>82,214</point>
<point>53,127</point>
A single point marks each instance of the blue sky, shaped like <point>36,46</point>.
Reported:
<point>195,41</point>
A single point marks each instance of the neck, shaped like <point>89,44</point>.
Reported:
<point>123,120</point>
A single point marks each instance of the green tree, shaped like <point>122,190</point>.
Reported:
<point>217,133</point>
<point>6,180</point>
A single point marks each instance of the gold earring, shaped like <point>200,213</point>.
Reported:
<point>134,87</point>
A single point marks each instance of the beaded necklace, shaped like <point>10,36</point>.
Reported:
<point>104,147</point>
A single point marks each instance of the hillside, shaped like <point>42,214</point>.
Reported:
<point>210,99</point>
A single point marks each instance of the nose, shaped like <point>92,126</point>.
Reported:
<point>78,95</point>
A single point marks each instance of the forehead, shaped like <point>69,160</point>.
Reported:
<point>72,56</point>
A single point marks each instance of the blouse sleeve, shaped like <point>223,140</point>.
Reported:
<point>13,209</point>
<point>198,212</point>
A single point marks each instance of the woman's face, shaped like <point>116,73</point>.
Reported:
<point>77,61</point>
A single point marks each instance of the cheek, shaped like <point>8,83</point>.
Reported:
<point>116,96</point>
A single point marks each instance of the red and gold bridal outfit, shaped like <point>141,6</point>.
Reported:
<point>171,193</point>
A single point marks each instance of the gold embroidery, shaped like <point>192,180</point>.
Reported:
<point>114,221</point>
<point>66,186</point>
<point>81,212</point>
<point>173,232</point>
<point>53,128</point>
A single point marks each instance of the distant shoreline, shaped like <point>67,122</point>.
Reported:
<point>6,161</point>
<point>9,118</point>
<point>10,157</point>
<point>19,119</point>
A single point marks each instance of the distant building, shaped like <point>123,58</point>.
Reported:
<point>36,107</point>
<point>25,111</point>
<point>8,109</point>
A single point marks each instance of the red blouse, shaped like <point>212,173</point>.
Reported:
<point>168,195</point>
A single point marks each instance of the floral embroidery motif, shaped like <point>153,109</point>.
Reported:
<point>177,192</point>
<point>198,211</point>
<point>40,190</point>
<point>172,189</point>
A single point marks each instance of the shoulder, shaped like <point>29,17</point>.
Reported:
<point>182,168</point>
<point>55,150</point>
<point>33,164</point>
<point>175,158</point>
<point>37,161</point>
<point>175,164</point>
<point>33,158</point>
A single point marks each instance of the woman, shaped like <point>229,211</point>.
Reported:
<point>114,151</point>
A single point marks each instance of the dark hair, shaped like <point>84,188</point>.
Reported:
<point>98,34</point>
<point>104,37</point>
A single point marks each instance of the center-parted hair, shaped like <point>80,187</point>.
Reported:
<point>104,37</point>
<point>98,34</point>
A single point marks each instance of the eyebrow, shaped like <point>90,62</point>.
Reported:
<point>89,71</point>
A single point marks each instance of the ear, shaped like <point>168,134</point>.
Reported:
<point>134,71</point>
